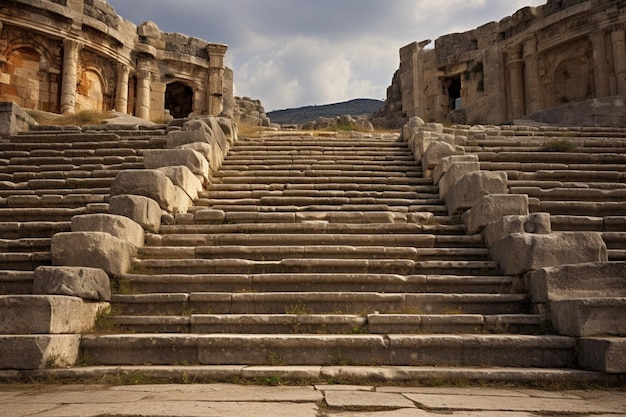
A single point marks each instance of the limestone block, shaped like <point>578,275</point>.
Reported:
<point>533,223</point>
<point>436,151</point>
<point>47,314</point>
<point>209,216</point>
<point>422,218</point>
<point>491,208</point>
<point>176,138</point>
<point>143,210</point>
<point>603,354</point>
<point>85,283</point>
<point>118,226</point>
<point>203,148</point>
<point>567,282</point>
<point>194,161</point>
<point>519,253</point>
<point>183,178</point>
<point>211,126</point>
<point>229,127</point>
<point>411,127</point>
<point>149,183</point>
<point>92,249</point>
<point>589,317</point>
<point>445,163</point>
<point>38,351</point>
<point>471,187</point>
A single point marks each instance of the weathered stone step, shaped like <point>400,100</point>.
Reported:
<point>323,265</point>
<point>573,175</point>
<point>317,282</point>
<point>588,223</point>
<point>315,173</point>
<point>321,187</point>
<point>582,208</point>
<point>68,137</point>
<point>70,200</point>
<point>276,202</point>
<point>25,244</point>
<point>272,253</point>
<point>40,214</point>
<point>319,303</point>
<point>16,282</point>
<point>335,179</point>
<point>334,324</point>
<point>572,194</point>
<point>528,159</point>
<point>315,163</point>
<point>549,184</point>
<point>309,193</point>
<point>25,261</point>
<point>436,208</point>
<point>407,350</point>
<point>42,229</point>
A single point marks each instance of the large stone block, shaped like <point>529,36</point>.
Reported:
<point>491,208</point>
<point>143,210</point>
<point>183,178</point>
<point>149,183</point>
<point>47,314</point>
<point>445,163</point>
<point>92,249</point>
<point>436,151</point>
<point>589,317</point>
<point>118,226</point>
<point>85,283</point>
<point>581,281</point>
<point>176,138</point>
<point>194,161</point>
<point>471,187</point>
<point>519,253</point>
<point>457,171</point>
<point>38,351</point>
<point>533,223</point>
<point>603,354</point>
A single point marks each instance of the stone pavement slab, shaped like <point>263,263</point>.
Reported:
<point>362,399</point>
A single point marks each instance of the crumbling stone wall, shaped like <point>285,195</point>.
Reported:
<point>539,58</point>
<point>251,112</point>
<point>65,56</point>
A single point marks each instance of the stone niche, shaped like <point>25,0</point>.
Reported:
<point>107,64</point>
<point>561,54</point>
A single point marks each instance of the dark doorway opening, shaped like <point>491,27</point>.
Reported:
<point>179,99</point>
<point>452,88</point>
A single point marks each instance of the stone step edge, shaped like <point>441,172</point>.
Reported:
<point>299,375</point>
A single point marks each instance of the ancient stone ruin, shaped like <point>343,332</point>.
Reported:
<point>64,56</point>
<point>568,57</point>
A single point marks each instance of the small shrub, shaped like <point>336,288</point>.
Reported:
<point>563,145</point>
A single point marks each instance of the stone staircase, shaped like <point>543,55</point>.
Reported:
<point>321,251</point>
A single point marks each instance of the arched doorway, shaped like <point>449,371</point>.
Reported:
<point>26,81</point>
<point>90,92</point>
<point>178,99</point>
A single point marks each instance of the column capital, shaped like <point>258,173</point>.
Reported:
<point>514,52</point>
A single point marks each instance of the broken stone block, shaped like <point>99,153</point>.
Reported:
<point>436,151</point>
<point>445,163</point>
<point>177,138</point>
<point>183,178</point>
<point>85,283</point>
<point>118,226</point>
<point>491,208</point>
<point>423,218</point>
<point>47,314</point>
<point>92,249</point>
<point>209,216</point>
<point>454,174</point>
<point>194,161</point>
<point>468,189</point>
<point>149,183</point>
<point>143,210</point>
<point>38,351</point>
<point>519,253</point>
<point>603,354</point>
<point>533,223</point>
<point>589,317</point>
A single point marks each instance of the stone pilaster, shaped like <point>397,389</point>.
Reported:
<point>144,76</point>
<point>121,89</point>
<point>515,65</point>
<point>71,50</point>
<point>600,64</point>
<point>618,40</point>
<point>532,81</point>
<point>215,92</point>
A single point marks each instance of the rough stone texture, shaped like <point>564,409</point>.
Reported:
<point>250,112</point>
<point>13,119</point>
<point>605,354</point>
<point>143,210</point>
<point>117,226</point>
<point>153,184</point>
<point>589,317</point>
<point>38,351</point>
<point>587,280</point>
<point>436,151</point>
<point>183,178</point>
<point>209,216</point>
<point>445,163</point>
<point>92,249</point>
<point>467,191</point>
<point>194,161</point>
<point>519,253</point>
<point>176,138</point>
<point>491,208</point>
<point>85,283</point>
<point>533,223</point>
<point>47,314</point>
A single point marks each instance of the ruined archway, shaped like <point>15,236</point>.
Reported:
<point>25,80</point>
<point>571,81</point>
<point>452,88</point>
<point>179,99</point>
<point>90,92</point>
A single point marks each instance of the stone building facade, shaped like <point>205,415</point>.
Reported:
<point>556,55</point>
<point>64,56</point>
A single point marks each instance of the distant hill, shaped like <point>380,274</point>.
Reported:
<point>357,107</point>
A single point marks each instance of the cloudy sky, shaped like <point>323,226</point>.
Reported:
<point>291,53</point>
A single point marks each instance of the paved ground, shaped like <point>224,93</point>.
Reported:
<point>226,400</point>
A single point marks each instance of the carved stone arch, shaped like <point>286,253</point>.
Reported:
<point>91,90</point>
<point>179,98</point>
<point>571,75</point>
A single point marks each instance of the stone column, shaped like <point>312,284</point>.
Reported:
<point>121,89</point>
<point>600,65</point>
<point>532,81</point>
<point>144,76</point>
<point>515,64</point>
<point>69,78</point>
<point>215,89</point>
<point>619,56</point>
